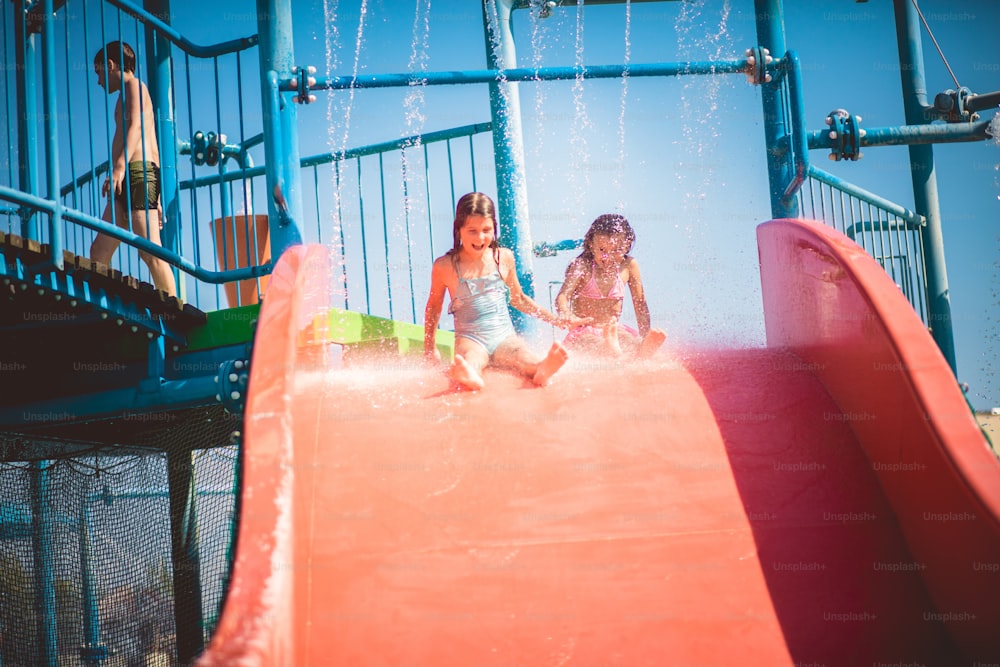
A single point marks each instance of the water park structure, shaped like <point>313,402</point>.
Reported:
<point>255,470</point>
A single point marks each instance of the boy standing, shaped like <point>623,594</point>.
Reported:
<point>134,142</point>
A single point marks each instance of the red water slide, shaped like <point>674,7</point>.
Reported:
<point>826,500</point>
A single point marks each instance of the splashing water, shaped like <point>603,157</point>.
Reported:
<point>701,37</point>
<point>414,102</point>
<point>415,119</point>
<point>332,35</point>
<point>337,251</point>
<point>989,367</point>
<point>618,181</point>
<point>579,150</point>
<point>508,93</point>
<point>542,35</point>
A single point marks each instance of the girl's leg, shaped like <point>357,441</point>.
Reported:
<point>514,353</point>
<point>611,342</point>
<point>651,343</point>
<point>470,360</point>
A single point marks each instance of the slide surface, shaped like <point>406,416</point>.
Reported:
<point>708,507</point>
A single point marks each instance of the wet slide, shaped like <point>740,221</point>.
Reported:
<point>826,500</point>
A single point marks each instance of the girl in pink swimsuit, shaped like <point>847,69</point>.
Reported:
<point>595,288</point>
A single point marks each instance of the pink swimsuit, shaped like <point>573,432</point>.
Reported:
<point>592,291</point>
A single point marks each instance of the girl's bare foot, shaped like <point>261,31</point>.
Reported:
<point>611,337</point>
<point>552,362</point>
<point>651,343</point>
<point>466,374</point>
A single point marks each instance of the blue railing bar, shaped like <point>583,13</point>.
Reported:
<point>521,74</point>
<point>340,228</point>
<point>409,244</point>
<point>878,225</point>
<point>910,135</point>
<point>138,242</point>
<point>364,241</point>
<point>451,174</point>
<point>255,140</point>
<point>397,144</point>
<point>472,164</point>
<point>51,131</point>
<point>327,158</point>
<point>427,195</point>
<point>385,233</point>
<point>866,196</point>
<point>178,39</point>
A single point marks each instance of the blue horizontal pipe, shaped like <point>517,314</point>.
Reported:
<point>906,214</point>
<point>910,135</point>
<point>983,102</point>
<point>520,74</point>
<point>138,242</point>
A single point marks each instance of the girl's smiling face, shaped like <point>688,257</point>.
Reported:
<point>477,234</point>
<point>608,249</point>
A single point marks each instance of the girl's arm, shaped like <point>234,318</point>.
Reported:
<point>638,298</point>
<point>571,283</point>
<point>432,311</point>
<point>526,304</point>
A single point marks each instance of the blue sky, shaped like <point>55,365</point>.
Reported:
<point>683,158</point>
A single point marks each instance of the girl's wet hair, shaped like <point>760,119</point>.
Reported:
<point>609,224</point>
<point>119,52</point>
<point>475,203</point>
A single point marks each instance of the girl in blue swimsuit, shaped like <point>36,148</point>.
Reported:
<point>480,277</point>
<point>594,288</point>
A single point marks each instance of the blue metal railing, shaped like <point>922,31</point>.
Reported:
<point>74,209</point>
<point>886,231</point>
<point>384,260</point>
<point>890,233</point>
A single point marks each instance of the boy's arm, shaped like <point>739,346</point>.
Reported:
<point>638,298</point>
<point>130,129</point>
<point>432,311</point>
<point>116,174</point>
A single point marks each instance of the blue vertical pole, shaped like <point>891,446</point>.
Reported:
<point>93,651</point>
<point>780,170</point>
<point>508,149</point>
<point>281,138</point>
<point>188,616</point>
<point>51,130</point>
<point>26,75</point>
<point>161,90</point>
<point>925,194</point>
<point>45,589</point>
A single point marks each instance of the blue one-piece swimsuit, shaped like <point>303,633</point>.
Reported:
<point>480,310</point>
